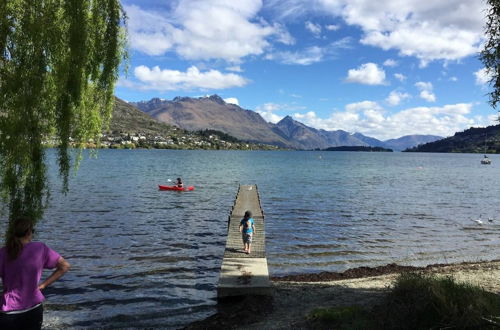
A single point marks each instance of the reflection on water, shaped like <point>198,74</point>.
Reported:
<point>142,257</point>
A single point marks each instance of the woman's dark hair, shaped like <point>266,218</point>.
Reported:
<point>248,214</point>
<point>20,227</point>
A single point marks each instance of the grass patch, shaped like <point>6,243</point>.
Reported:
<point>344,318</point>
<point>418,301</point>
<point>422,301</point>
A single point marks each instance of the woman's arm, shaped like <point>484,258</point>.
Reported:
<point>62,267</point>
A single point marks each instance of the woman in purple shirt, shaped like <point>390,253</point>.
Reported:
<point>21,264</point>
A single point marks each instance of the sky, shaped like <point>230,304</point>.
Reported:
<point>384,69</point>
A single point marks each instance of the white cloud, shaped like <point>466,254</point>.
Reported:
<point>371,119</point>
<point>482,77</point>
<point>428,30</point>
<point>267,112</point>
<point>203,30</point>
<point>399,76</point>
<point>453,79</point>
<point>390,63</point>
<point>426,91</point>
<point>193,78</point>
<point>152,39</point>
<point>332,27</point>
<point>232,100</point>
<point>315,29</point>
<point>396,97</point>
<point>282,35</point>
<point>235,68</point>
<point>344,43</point>
<point>368,74</point>
<point>422,85</point>
<point>428,96</point>
<point>307,57</point>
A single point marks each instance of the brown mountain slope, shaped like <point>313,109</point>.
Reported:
<point>128,119</point>
<point>213,113</point>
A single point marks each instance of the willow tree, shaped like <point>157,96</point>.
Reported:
<point>58,66</point>
<point>490,55</point>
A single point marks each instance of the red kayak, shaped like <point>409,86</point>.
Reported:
<point>175,188</point>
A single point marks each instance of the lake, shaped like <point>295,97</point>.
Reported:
<point>147,258</point>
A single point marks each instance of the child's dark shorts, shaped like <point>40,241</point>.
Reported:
<point>247,238</point>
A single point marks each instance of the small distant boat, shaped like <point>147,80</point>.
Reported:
<point>485,160</point>
<point>175,188</point>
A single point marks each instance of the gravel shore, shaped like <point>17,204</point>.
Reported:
<point>296,296</point>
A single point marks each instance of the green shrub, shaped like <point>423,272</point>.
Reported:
<point>419,301</point>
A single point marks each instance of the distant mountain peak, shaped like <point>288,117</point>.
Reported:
<point>286,120</point>
<point>181,99</point>
<point>216,98</point>
<point>156,100</point>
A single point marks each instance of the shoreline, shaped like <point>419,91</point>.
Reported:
<point>364,272</point>
<point>295,296</point>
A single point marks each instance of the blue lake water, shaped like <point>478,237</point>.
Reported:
<point>147,258</point>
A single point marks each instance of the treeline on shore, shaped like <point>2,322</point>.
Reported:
<point>175,139</point>
<point>472,140</point>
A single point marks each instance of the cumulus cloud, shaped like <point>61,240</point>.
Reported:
<point>482,77</point>
<point>315,29</point>
<point>371,119</point>
<point>232,100</point>
<point>332,27</point>
<point>399,76</point>
<point>395,98</point>
<point>267,112</point>
<point>390,63</point>
<point>428,30</point>
<point>193,78</point>
<point>152,39</point>
<point>426,91</point>
<point>203,30</point>
<point>235,68</point>
<point>368,74</point>
<point>428,96</point>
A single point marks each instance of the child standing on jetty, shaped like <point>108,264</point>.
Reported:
<point>247,229</point>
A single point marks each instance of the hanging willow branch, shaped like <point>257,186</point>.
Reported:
<point>58,65</point>
<point>490,55</point>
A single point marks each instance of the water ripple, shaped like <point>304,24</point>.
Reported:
<point>147,258</point>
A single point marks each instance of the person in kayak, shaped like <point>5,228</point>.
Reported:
<point>247,229</point>
<point>21,264</point>
<point>179,183</point>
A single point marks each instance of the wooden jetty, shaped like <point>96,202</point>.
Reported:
<point>241,273</point>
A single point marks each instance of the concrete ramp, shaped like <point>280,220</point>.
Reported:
<point>245,274</point>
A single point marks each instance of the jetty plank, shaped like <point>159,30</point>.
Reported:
<point>241,273</point>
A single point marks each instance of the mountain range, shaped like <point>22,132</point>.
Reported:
<point>212,112</point>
